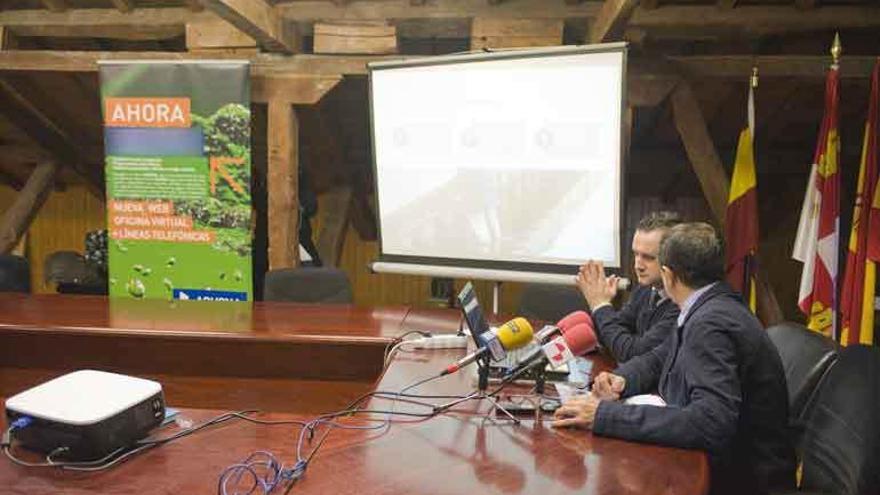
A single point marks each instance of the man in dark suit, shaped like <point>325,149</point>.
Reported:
<point>719,374</point>
<point>649,316</point>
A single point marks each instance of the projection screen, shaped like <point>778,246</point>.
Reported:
<point>505,161</point>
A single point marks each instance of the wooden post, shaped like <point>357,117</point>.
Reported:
<point>28,201</point>
<point>282,184</point>
<point>700,149</point>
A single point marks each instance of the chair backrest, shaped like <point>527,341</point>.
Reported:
<point>806,356</point>
<point>308,284</point>
<point>15,274</point>
<point>549,302</point>
<point>842,439</point>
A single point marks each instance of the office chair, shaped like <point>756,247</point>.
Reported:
<point>308,284</point>
<point>549,303</point>
<point>842,440</point>
<point>72,274</point>
<point>806,356</point>
<point>15,274</point>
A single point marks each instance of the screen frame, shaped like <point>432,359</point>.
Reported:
<point>533,267</point>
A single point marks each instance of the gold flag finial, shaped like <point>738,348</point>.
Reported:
<point>754,79</point>
<point>836,49</point>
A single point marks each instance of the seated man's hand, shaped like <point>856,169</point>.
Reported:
<point>596,288</point>
<point>608,386</point>
<point>579,412</point>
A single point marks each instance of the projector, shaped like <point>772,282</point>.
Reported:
<point>87,414</point>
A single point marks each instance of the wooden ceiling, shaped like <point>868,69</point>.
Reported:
<point>47,46</point>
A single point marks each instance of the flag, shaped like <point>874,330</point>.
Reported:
<point>857,300</point>
<point>741,223</point>
<point>816,244</point>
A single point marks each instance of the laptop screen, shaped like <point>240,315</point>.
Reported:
<point>473,312</point>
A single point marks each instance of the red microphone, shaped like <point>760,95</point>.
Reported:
<point>576,340</point>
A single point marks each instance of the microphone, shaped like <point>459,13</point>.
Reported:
<point>512,335</point>
<point>575,317</point>
<point>576,340</point>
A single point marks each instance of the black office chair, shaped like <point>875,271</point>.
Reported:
<point>15,274</point>
<point>549,302</point>
<point>72,274</point>
<point>308,284</point>
<point>842,440</point>
<point>806,356</point>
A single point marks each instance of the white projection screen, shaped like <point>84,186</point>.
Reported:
<point>500,161</point>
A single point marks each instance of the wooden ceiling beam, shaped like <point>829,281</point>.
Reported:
<point>46,133</point>
<point>799,66</point>
<point>55,5</point>
<point>124,6</point>
<point>195,5</point>
<point>609,23</point>
<point>140,24</point>
<point>18,217</point>
<point>260,21</point>
<point>304,10</point>
<point>805,4</point>
<point>755,20</point>
<point>262,65</point>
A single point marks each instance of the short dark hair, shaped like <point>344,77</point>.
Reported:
<point>657,220</point>
<point>694,253</point>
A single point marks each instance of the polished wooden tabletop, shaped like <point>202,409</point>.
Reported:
<point>465,451</point>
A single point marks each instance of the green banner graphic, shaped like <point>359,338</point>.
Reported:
<point>178,167</point>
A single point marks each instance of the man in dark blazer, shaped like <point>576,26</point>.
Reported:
<point>649,316</point>
<point>719,374</point>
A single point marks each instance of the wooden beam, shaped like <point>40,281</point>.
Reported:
<point>337,208</point>
<point>55,5</point>
<point>649,4</point>
<point>17,218</point>
<point>124,6</point>
<point>262,65</point>
<point>348,38</point>
<point>5,38</point>
<point>45,132</point>
<point>727,4</point>
<point>313,10</point>
<point>215,33</point>
<point>363,219</point>
<point>700,149</point>
<point>282,183</point>
<point>800,66</point>
<point>259,20</point>
<point>805,4</point>
<point>754,20</point>
<point>515,33</point>
<point>609,23</point>
<point>195,5</point>
<point>141,24</point>
<point>298,89</point>
<point>648,91</point>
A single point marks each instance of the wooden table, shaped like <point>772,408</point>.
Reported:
<point>462,452</point>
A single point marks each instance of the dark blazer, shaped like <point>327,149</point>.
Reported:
<point>638,327</point>
<point>724,384</point>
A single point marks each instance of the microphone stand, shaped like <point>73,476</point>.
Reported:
<point>480,394</point>
<point>483,385</point>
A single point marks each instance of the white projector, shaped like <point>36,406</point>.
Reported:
<point>87,414</point>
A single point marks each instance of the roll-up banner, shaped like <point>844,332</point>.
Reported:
<point>178,168</point>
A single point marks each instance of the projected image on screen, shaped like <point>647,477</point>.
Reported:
<point>510,160</point>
